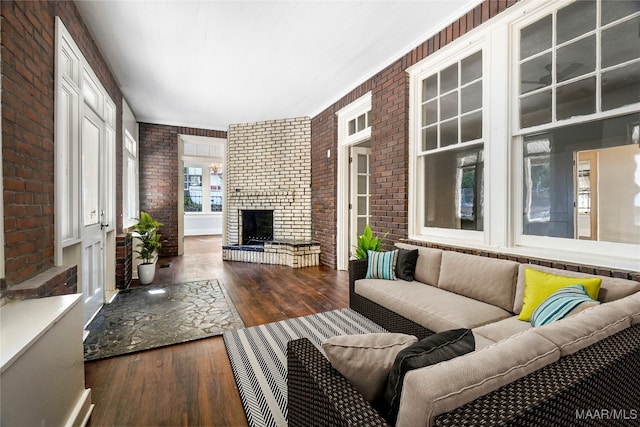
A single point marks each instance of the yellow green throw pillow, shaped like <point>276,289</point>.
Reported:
<point>538,286</point>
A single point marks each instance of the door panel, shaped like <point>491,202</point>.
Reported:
<point>359,197</point>
<point>93,253</point>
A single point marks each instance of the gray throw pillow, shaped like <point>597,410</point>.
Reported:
<point>434,349</point>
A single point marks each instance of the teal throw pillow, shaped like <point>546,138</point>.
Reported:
<point>562,303</point>
<point>382,265</point>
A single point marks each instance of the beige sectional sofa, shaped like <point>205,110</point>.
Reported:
<point>456,290</point>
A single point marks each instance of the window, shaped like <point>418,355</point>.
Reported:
<point>579,65</point>
<point>130,177</point>
<point>197,191</point>
<point>451,145</point>
<point>525,135</point>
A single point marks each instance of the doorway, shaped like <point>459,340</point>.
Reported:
<point>359,192</point>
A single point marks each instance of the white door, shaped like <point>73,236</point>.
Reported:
<point>93,251</point>
<point>359,212</point>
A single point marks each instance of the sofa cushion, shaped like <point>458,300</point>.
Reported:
<point>585,328</point>
<point>434,390</point>
<point>406,264</point>
<point>611,288</point>
<point>562,303</point>
<point>485,279</point>
<point>434,308</point>
<point>540,285</point>
<point>382,265</point>
<point>428,351</point>
<point>365,359</point>
<point>628,305</point>
<point>502,329</point>
<point>427,264</point>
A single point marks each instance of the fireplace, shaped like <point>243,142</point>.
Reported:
<point>257,226</point>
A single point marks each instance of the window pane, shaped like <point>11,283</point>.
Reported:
<point>361,122</point>
<point>362,184</point>
<point>535,74</point>
<point>621,87</point>
<point>352,126</point>
<point>471,97</point>
<point>449,105</point>
<point>579,181</point>
<point>430,87</point>
<point>362,204</point>
<point>192,189</point>
<point>362,163</point>
<point>621,43</point>
<point>471,68</point>
<point>536,37</point>
<point>430,138</point>
<point>471,126</point>
<point>576,19</point>
<point>449,78</point>
<point>576,59</point>
<point>453,189</point>
<point>449,132</point>
<point>613,10</point>
<point>430,113</point>
<point>576,99</point>
<point>535,109</point>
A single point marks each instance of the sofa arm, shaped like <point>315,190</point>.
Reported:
<point>318,395</point>
<point>357,271</point>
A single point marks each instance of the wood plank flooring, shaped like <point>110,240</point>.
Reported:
<point>192,384</point>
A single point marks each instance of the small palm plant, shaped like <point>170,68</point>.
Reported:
<point>147,229</point>
<point>368,242</point>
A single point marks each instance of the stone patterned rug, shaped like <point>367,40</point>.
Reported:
<point>145,317</point>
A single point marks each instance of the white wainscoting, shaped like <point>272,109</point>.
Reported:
<point>202,224</point>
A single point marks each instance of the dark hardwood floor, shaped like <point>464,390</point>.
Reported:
<point>192,384</point>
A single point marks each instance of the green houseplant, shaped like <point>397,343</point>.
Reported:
<point>368,242</point>
<point>149,243</point>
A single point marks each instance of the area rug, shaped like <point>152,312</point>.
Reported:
<point>259,360</point>
<point>145,317</point>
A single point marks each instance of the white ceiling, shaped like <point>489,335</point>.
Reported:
<point>210,64</point>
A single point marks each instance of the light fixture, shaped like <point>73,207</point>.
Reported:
<point>215,167</point>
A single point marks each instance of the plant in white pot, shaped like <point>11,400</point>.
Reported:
<point>147,248</point>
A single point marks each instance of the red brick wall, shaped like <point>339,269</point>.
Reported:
<point>28,74</point>
<point>389,141</point>
<point>159,168</point>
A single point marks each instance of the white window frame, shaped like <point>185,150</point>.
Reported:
<point>431,65</point>
<point>130,180</point>
<point>502,150</point>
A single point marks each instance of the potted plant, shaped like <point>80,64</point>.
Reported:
<point>368,242</point>
<point>147,248</point>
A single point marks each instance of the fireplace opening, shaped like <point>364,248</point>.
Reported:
<point>257,227</point>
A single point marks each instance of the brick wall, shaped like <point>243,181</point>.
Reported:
<point>269,167</point>
<point>159,169</point>
<point>389,140</point>
<point>28,50</point>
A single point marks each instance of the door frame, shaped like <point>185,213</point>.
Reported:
<point>345,141</point>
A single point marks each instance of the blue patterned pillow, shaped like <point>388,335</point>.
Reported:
<point>560,304</point>
<point>382,265</point>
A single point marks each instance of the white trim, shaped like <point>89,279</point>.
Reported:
<point>354,109</point>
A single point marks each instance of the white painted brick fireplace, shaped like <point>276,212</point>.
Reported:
<point>269,168</point>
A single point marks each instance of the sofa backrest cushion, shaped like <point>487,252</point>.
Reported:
<point>434,390</point>
<point>629,305</point>
<point>585,328</point>
<point>611,288</point>
<point>428,263</point>
<point>485,279</point>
